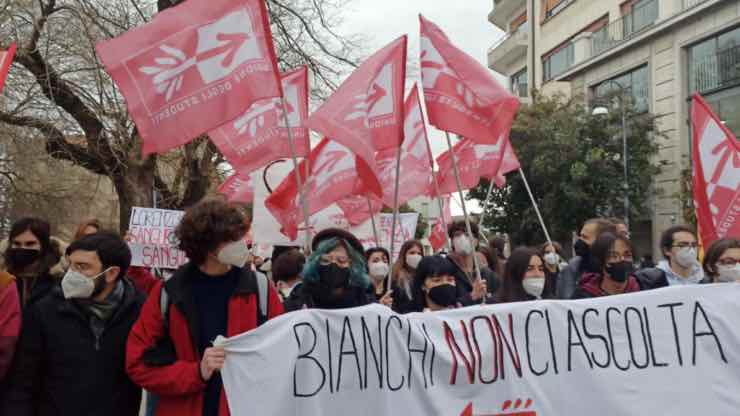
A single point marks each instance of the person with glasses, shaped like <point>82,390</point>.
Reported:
<point>722,261</point>
<point>680,265</point>
<point>335,275</point>
<point>612,256</point>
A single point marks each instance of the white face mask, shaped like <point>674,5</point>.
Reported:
<point>534,286</point>
<point>379,270</point>
<point>729,274</point>
<point>76,285</point>
<point>552,259</point>
<point>413,260</point>
<point>235,253</point>
<point>686,257</point>
<point>463,245</point>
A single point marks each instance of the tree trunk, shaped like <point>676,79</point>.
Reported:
<point>134,189</point>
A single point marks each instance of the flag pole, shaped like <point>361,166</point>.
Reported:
<point>439,199</point>
<point>485,205</point>
<point>476,266</point>
<point>395,211</point>
<point>536,208</point>
<point>299,182</point>
<point>372,219</point>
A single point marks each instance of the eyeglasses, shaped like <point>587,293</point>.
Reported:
<point>342,261</point>
<point>728,262</point>
<point>686,244</point>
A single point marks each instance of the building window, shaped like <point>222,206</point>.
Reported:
<point>714,64</point>
<point>636,86</point>
<point>519,85</point>
<point>638,15</point>
<point>553,7</point>
<point>558,62</point>
<point>726,105</point>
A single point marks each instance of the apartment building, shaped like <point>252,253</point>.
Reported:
<point>658,52</point>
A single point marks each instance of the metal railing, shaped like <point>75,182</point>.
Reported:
<point>520,31</point>
<point>642,16</point>
<point>716,71</point>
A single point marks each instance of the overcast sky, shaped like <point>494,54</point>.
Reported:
<point>465,22</point>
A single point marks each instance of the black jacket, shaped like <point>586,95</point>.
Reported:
<point>303,296</point>
<point>464,284</point>
<point>655,278</point>
<point>61,369</point>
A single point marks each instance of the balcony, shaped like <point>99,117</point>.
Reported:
<point>642,17</point>
<point>717,71</point>
<point>503,10</point>
<point>509,49</point>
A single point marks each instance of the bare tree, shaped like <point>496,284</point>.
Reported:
<point>58,89</point>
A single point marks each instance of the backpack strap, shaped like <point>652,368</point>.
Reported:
<point>262,297</point>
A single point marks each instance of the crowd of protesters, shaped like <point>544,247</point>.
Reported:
<point>82,331</point>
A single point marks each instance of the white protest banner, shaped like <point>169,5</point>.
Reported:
<point>672,351</point>
<point>406,230</point>
<point>152,238</point>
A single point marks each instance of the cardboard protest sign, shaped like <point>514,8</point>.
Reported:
<point>672,351</point>
<point>405,230</point>
<point>152,238</point>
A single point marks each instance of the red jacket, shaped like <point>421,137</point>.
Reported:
<point>10,321</point>
<point>590,286</point>
<point>179,385</point>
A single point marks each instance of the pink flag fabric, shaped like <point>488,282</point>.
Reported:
<point>438,236</point>
<point>366,113</point>
<point>716,174</point>
<point>6,58</point>
<point>193,68</point>
<point>238,188</point>
<point>416,171</point>
<point>509,163</point>
<point>356,209</point>
<point>260,135</point>
<point>461,95</point>
<point>334,173</point>
<point>474,161</point>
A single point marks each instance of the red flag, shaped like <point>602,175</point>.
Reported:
<point>6,58</point>
<point>366,112</point>
<point>474,161</point>
<point>461,95</point>
<point>416,171</point>
<point>509,163</point>
<point>716,176</point>
<point>193,68</point>
<point>438,236</point>
<point>238,188</point>
<point>260,135</point>
<point>335,172</point>
<point>355,208</point>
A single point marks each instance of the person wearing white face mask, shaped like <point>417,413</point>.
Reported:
<point>470,289</point>
<point>524,278</point>
<point>378,270</point>
<point>69,360</point>
<point>171,345</point>
<point>680,266</point>
<point>402,275</point>
<point>722,261</point>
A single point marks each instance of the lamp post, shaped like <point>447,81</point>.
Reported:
<point>603,111</point>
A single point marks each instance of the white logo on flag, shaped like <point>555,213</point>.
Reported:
<point>378,101</point>
<point>433,65</point>
<point>225,45</point>
<point>334,158</point>
<point>713,138</point>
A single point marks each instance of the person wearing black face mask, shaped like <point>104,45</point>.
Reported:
<point>612,255</point>
<point>582,263</point>
<point>434,285</point>
<point>335,275</point>
<point>33,257</point>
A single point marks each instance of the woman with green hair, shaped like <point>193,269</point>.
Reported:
<point>334,276</point>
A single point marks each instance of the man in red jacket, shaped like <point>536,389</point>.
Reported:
<point>10,321</point>
<point>169,349</point>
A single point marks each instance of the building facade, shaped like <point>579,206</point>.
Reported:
<point>658,51</point>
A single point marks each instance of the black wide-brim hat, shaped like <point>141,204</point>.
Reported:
<point>345,235</point>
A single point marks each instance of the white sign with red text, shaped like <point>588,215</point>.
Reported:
<point>152,238</point>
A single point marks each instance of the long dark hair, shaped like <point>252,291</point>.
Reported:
<point>400,263</point>
<point>516,267</point>
<point>601,248</point>
<point>42,231</point>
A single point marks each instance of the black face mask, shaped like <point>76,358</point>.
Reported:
<point>332,277</point>
<point>20,258</point>
<point>582,249</point>
<point>620,272</point>
<point>443,295</point>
